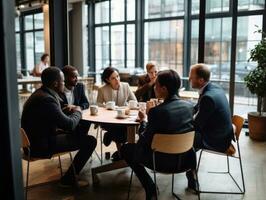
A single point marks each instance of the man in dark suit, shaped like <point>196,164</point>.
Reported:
<point>173,116</point>
<point>146,83</point>
<point>74,92</point>
<point>50,131</point>
<point>212,116</point>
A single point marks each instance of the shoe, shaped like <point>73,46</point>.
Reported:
<point>107,139</point>
<point>116,156</point>
<point>71,184</point>
<point>151,194</point>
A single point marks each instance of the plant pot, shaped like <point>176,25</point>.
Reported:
<point>257,126</point>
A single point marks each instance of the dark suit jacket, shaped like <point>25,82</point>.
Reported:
<point>144,91</point>
<point>41,117</point>
<point>80,98</point>
<point>174,116</point>
<point>213,120</point>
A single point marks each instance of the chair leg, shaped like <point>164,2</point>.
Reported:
<point>154,174</point>
<point>60,166</point>
<point>199,161</point>
<point>101,137</point>
<point>228,172</point>
<point>129,187</point>
<point>241,168</point>
<point>27,176</point>
<point>173,183</point>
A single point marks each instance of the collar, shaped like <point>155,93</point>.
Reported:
<point>202,88</point>
<point>67,90</point>
<point>171,98</point>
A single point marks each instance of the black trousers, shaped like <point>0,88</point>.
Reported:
<point>138,156</point>
<point>76,140</point>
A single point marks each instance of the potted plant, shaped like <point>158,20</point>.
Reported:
<point>256,83</point>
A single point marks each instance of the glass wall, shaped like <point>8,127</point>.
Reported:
<point>163,33</point>
<point>160,35</point>
<point>29,40</point>
<point>115,34</point>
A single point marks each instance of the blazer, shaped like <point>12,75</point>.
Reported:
<point>213,118</point>
<point>41,117</point>
<point>145,91</point>
<point>174,116</point>
<point>120,96</point>
<point>80,98</point>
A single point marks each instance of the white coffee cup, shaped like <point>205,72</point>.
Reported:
<point>94,109</point>
<point>132,104</point>
<point>155,100</point>
<point>121,113</point>
<point>142,105</point>
<point>110,105</point>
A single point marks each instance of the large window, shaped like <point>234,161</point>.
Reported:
<point>29,40</point>
<point>115,34</point>
<point>164,32</point>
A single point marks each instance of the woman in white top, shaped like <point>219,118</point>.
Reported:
<point>117,91</point>
<point>37,71</point>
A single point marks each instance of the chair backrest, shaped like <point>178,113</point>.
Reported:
<point>238,122</point>
<point>173,143</point>
<point>25,143</point>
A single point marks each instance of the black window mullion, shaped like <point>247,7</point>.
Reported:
<point>110,40</point>
<point>201,45</point>
<point>125,34</point>
<point>233,55</point>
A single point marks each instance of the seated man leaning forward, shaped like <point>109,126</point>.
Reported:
<point>146,83</point>
<point>212,116</point>
<point>74,92</point>
<point>50,131</point>
<point>172,116</point>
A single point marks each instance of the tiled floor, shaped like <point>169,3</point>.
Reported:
<point>113,185</point>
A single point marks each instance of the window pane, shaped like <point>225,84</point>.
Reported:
<point>18,52</point>
<point>131,8</point>
<point>39,45</point>
<point>163,43</point>
<point>194,42</point>
<point>246,40</point>
<point>17,23</point>
<point>251,5</point>
<point>195,7</point>
<point>117,46</point>
<point>102,12</point>
<point>131,46</point>
<point>38,21</point>
<point>29,51</point>
<point>28,22</point>
<point>117,10</point>
<point>102,47</point>
<point>218,50</point>
<point>213,6</point>
<point>163,8</point>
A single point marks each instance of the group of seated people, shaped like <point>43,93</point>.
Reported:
<point>52,119</point>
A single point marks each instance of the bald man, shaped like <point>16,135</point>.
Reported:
<point>212,116</point>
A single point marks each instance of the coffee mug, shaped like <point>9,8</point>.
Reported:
<point>110,105</point>
<point>142,106</point>
<point>155,101</point>
<point>94,109</point>
<point>121,113</point>
<point>132,104</point>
